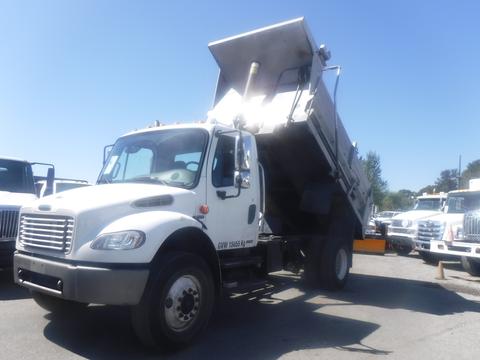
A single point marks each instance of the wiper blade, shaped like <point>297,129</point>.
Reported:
<point>148,180</point>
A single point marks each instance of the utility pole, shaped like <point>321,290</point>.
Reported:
<point>459,175</point>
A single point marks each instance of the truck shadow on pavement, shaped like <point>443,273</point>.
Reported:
<point>280,318</point>
<point>8,289</point>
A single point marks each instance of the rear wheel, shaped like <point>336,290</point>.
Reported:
<point>329,259</point>
<point>470,265</point>
<point>177,303</point>
<point>429,258</point>
<point>56,305</point>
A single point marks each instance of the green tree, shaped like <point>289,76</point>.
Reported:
<point>373,170</point>
<point>472,171</point>
<point>429,189</point>
<point>400,200</point>
<point>447,181</point>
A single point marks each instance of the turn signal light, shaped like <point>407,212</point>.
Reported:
<point>204,209</point>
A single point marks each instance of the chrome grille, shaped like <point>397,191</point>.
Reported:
<point>471,226</point>
<point>8,223</point>
<point>53,232</point>
<point>430,230</point>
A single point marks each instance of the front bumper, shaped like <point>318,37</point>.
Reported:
<point>456,248</point>
<point>87,284</point>
<point>421,245</point>
<point>7,249</point>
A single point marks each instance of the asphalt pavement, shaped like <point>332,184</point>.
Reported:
<point>392,307</point>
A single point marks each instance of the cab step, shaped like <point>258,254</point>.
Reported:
<point>240,262</point>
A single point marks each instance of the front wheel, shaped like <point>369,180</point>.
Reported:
<point>472,266</point>
<point>177,303</point>
<point>429,258</point>
<point>402,250</point>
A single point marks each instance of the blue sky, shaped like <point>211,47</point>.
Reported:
<point>75,75</point>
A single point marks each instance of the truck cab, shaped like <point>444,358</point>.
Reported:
<point>402,231</point>
<point>443,225</point>
<point>461,230</point>
<point>17,188</point>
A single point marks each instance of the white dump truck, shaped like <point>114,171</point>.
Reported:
<point>462,237</point>
<point>439,227</point>
<point>402,231</point>
<point>269,181</point>
<point>17,188</point>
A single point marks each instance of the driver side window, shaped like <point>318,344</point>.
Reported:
<point>224,162</point>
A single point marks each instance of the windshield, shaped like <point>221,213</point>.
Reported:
<point>428,204</point>
<point>16,176</point>
<point>168,157</point>
<point>459,203</point>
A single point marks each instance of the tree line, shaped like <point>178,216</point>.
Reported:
<point>384,199</point>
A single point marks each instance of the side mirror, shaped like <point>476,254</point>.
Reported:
<point>106,152</point>
<point>242,163</point>
<point>242,156</point>
<point>49,181</point>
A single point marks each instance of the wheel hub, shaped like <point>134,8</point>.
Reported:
<point>182,303</point>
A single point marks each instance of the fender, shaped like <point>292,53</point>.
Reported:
<point>157,225</point>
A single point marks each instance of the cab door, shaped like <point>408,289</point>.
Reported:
<point>232,220</point>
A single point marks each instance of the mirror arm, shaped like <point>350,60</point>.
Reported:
<point>222,194</point>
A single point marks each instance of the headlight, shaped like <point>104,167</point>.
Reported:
<point>122,240</point>
<point>406,223</point>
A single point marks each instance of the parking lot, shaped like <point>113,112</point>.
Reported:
<point>392,306</point>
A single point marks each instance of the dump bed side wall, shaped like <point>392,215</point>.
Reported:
<point>351,174</point>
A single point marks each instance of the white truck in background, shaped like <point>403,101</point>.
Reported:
<point>270,181</point>
<point>462,238</point>
<point>446,225</point>
<point>17,188</point>
<point>402,231</point>
<point>59,185</point>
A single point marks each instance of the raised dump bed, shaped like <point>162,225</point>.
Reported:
<point>308,157</point>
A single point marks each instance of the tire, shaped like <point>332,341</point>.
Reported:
<point>402,250</point>
<point>56,305</point>
<point>177,303</point>
<point>328,264</point>
<point>429,258</point>
<point>472,266</point>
